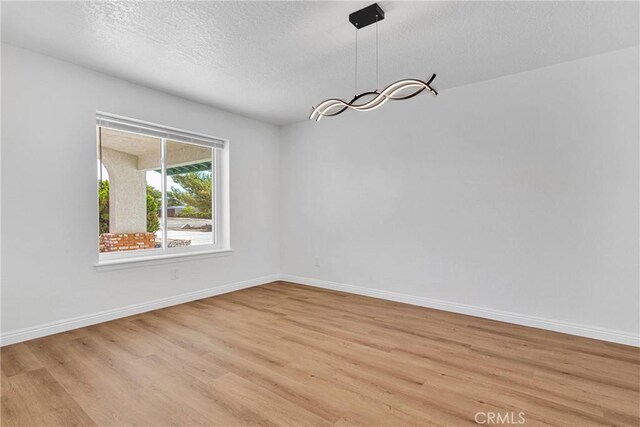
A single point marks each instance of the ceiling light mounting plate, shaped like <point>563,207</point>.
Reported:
<point>367,16</point>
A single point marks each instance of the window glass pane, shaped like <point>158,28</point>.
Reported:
<point>189,194</point>
<point>129,197</point>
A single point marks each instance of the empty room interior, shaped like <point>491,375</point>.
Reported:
<point>320,213</point>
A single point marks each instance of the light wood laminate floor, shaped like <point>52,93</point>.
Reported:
<point>285,354</point>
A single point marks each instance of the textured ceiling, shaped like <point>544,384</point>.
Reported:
<point>274,60</point>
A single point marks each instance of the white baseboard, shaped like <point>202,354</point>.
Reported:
<point>503,316</point>
<point>604,334</point>
<point>26,334</point>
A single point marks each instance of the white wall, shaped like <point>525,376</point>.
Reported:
<point>518,194</point>
<point>49,222</point>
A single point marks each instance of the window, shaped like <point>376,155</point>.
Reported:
<point>160,191</point>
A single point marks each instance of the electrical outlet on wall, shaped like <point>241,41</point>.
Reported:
<point>174,274</point>
<point>316,261</point>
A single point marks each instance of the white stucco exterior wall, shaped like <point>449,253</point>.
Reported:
<point>127,192</point>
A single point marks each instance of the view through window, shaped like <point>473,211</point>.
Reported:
<point>155,194</point>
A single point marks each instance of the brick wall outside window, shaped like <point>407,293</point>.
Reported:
<point>118,242</point>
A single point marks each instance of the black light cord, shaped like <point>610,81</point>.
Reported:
<point>377,81</point>
<point>355,74</point>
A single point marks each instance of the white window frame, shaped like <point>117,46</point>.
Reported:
<point>220,188</point>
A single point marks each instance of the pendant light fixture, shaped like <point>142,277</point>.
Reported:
<point>367,101</point>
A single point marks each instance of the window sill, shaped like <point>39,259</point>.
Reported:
<point>144,261</point>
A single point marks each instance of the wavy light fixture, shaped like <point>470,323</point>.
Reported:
<point>333,106</point>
